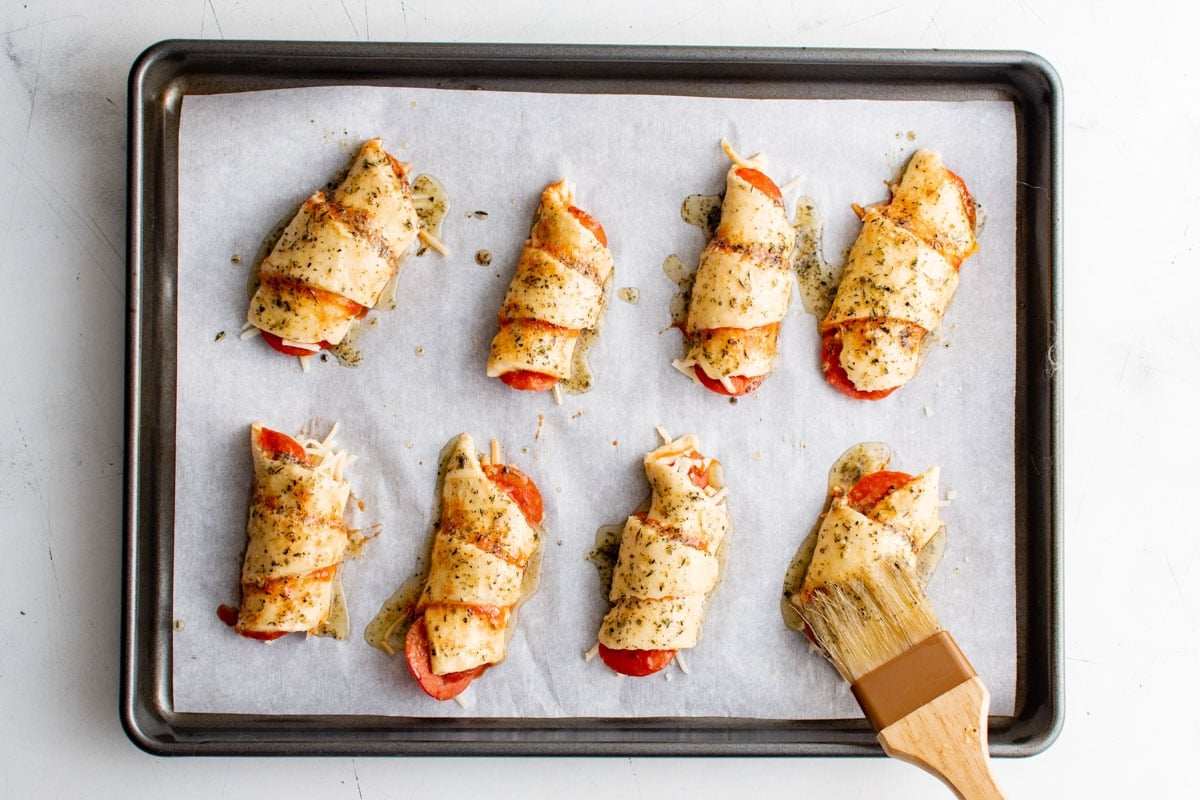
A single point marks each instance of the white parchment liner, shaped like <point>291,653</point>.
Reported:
<point>247,160</point>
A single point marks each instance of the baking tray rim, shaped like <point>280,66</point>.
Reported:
<point>154,94</point>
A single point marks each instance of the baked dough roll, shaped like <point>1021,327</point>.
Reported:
<point>336,256</point>
<point>556,293</point>
<point>485,543</point>
<point>884,516</point>
<point>742,287</point>
<point>900,276</point>
<point>668,562</point>
<point>297,535</point>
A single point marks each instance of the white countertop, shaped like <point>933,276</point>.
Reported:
<point>1131,363</point>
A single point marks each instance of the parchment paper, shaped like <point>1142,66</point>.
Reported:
<point>247,160</point>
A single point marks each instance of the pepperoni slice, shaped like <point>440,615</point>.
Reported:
<point>742,385</point>
<point>831,365</point>
<point>871,489</point>
<point>528,381</point>
<point>636,663</point>
<point>277,343</point>
<point>279,445</point>
<point>419,654</point>
<point>761,182</point>
<point>520,487</point>
<point>591,223</point>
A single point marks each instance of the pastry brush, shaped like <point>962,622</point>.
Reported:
<point>915,686</point>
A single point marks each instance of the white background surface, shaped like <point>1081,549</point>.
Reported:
<point>1131,362</point>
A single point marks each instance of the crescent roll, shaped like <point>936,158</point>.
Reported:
<point>667,565</point>
<point>486,540</point>
<point>556,293</point>
<point>336,256</point>
<point>742,287</point>
<point>888,516</point>
<point>297,535</point>
<point>899,279</point>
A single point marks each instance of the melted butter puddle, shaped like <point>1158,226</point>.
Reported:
<point>608,546</point>
<point>388,630</point>
<point>818,280</point>
<point>347,352</point>
<point>264,250</point>
<point>703,211</point>
<point>676,270</point>
<point>582,379</point>
<point>604,554</point>
<point>432,202</point>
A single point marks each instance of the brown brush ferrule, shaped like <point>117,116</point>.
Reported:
<point>923,673</point>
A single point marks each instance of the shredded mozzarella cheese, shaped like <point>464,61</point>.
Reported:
<point>312,348</point>
<point>325,456</point>
<point>466,699</point>
<point>590,654</point>
<point>432,241</point>
<point>686,368</point>
<point>792,185</point>
<point>757,162</point>
<point>557,392</point>
<point>249,333</point>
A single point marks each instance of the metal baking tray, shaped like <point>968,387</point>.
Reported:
<point>168,71</point>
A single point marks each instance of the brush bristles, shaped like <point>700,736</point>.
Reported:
<point>868,620</point>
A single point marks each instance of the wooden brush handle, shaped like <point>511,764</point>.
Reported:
<point>948,737</point>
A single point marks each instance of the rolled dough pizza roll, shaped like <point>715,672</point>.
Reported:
<point>487,540</point>
<point>297,535</point>
<point>668,563</point>
<point>336,256</point>
<point>899,279</point>
<point>556,293</point>
<point>885,515</point>
<point>742,286</point>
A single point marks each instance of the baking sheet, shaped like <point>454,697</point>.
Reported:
<point>246,161</point>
